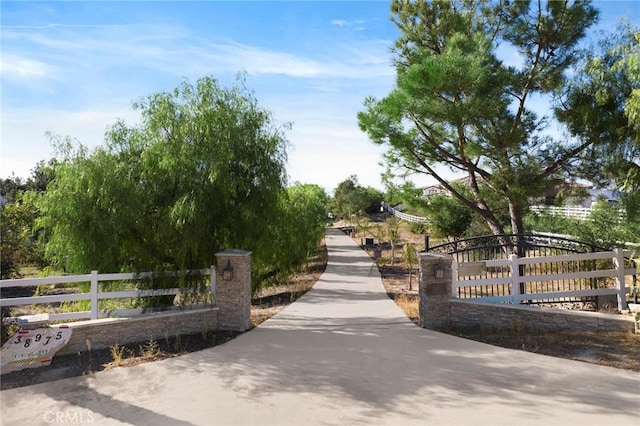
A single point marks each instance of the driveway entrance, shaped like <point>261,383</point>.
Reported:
<point>343,354</point>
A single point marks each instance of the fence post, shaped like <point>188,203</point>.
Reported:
<point>94,295</point>
<point>434,288</point>
<point>515,275</point>
<point>454,279</point>
<point>618,262</point>
<point>233,289</point>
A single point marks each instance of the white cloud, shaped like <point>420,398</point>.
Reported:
<point>20,67</point>
<point>98,70</point>
<point>18,166</point>
<point>357,23</point>
<point>24,142</point>
<point>329,156</point>
<point>255,60</point>
<point>175,51</point>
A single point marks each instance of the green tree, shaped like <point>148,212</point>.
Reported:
<point>379,235</point>
<point>448,217</point>
<point>393,192</point>
<point>41,175</point>
<point>10,187</point>
<point>351,198</point>
<point>604,227</point>
<point>601,107</point>
<point>631,204</point>
<point>361,224</point>
<point>393,233</point>
<point>295,233</point>
<point>18,242</point>
<point>308,204</point>
<point>410,258</point>
<point>457,104</point>
<point>203,171</point>
<point>18,215</point>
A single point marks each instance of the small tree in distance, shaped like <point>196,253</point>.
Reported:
<point>410,258</point>
<point>393,232</point>
<point>448,217</point>
<point>379,235</point>
<point>351,198</point>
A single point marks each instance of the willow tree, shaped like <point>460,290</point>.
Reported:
<point>294,235</point>
<point>203,171</point>
<point>458,103</point>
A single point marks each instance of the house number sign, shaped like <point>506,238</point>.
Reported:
<point>33,348</point>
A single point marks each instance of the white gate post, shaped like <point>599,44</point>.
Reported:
<point>94,295</point>
<point>515,275</point>
<point>618,262</point>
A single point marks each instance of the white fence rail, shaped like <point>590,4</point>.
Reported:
<point>576,212</point>
<point>404,216</point>
<point>513,280</point>
<point>571,237</point>
<point>94,295</point>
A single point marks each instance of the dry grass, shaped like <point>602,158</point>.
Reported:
<point>409,305</point>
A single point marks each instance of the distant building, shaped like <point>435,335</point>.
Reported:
<point>428,191</point>
<point>562,193</point>
<point>438,189</point>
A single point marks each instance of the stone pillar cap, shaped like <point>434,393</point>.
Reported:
<point>436,255</point>
<point>234,252</point>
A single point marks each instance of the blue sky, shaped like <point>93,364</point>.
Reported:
<point>73,68</point>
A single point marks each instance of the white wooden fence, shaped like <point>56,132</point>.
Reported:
<point>404,216</point>
<point>513,280</point>
<point>571,237</point>
<point>94,295</point>
<point>576,212</point>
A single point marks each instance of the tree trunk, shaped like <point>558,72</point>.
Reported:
<point>498,230</point>
<point>515,213</point>
<point>517,226</point>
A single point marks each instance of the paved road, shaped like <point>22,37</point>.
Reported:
<point>343,354</point>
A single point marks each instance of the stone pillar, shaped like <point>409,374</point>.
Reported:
<point>435,293</point>
<point>233,290</point>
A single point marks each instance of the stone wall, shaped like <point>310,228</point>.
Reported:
<point>103,333</point>
<point>471,313</point>
<point>438,310</point>
<point>232,312</point>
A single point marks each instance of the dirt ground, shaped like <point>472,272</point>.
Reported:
<point>619,350</point>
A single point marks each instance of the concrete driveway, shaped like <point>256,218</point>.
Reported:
<point>343,354</point>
